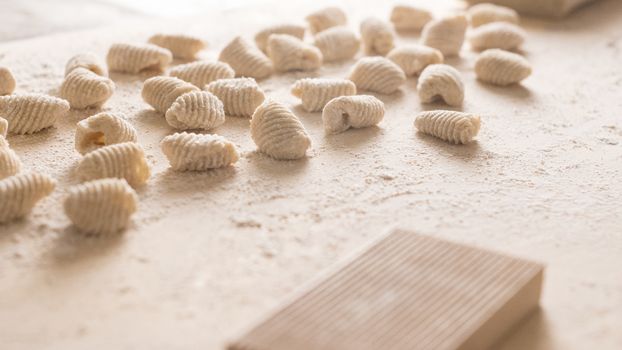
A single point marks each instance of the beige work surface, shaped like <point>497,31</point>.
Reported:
<point>208,253</point>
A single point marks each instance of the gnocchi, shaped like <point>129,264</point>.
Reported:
<point>450,126</point>
<point>134,58</point>
<point>180,45</point>
<point>196,110</point>
<point>103,129</point>
<point>445,34</point>
<point>337,43</point>
<point>84,89</point>
<point>7,81</point>
<point>326,18</point>
<point>497,35</point>
<point>290,53</point>
<point>377,36</point>
<point>122,160</point>
<point>481,14</point>
<point>201,73</point>
<point>316,92</point>
<point>441,81</point>
<point>414,58</point>
<point>346,112</point>
<point>30,113</point>
<point>409,18</point>
<point>9,161</point>
<point>295,30</point>
<point>160,92</point>
<point>20,193</point>
<point>198,152</point>
<point>87,61</point>
<point>502,68</point>
<point>377,74</point>
<point>246,60</point>
<point>240,96</point>
<point>4,127</point>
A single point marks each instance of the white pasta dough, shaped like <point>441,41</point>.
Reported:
<point>240,96</point>
<point>337,43</point>
<point>278,133</point>
<point>87,61</point>
<point>346,112</point>
<point>410,18</point>
<point>134,58</point>
<point>445,34</point>
<point>451,126</point>
<point>246,59</point>
<point>290,53</point>
<point>84,89</point>
<point>30,113</point>
<point>261,38</point>
<point>181,45</point>
<point>414,58</point>
<point>377,36</point>
<point>198,152</point>
<point>316,92</point>
<point>502,68</point>
<point>7,81</point>
<point>377,74</point>
<point>21,192</point>
<point>201,73</point>
<point>196,110</point>
<point>481,14</point>
<point>103,129</point>
<point>326,18</point>
<point>497,35</point>
<point>160,92</point>
<point>4,127</point>
<point>441,81</point>
<point>123,160</point>
<point>9,161</point>
<point>101,206</point>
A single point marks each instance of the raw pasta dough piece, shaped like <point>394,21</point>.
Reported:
<point>441,80</point>
<point>134,58</point>
<point>7,81</point>
<point>377,74</point>
<point>377,36</point>
<point>278,133</point>
<point>337,43</point>
<point>240,96</point>
<point>409,18</point>
<point>326,18</point>
<point>196,110</point>
<point>84,89</point>
<point>87,61</point>
<point>451,126</point>
<point>9,161</point>
<point>122,160</point>
<point>488,13</point>
<point>316,92</point>
<point>346,112</point>
<point>29,113</point>
<point>4,127</point>
<point>290,53</point>
<point>101,206</point>
<point>198,152</point>
<point>161,92</point>
<point>498,35</point>
<point>445,34</point>
<point>502,68</point>
<point>103,129</point>
<point>201,73</point>
<point>246,60</point>
<point>181,45</point>
<point>21,192</point>
<point>414,58</point>
<point>295,30</point>
<point>551,8</point>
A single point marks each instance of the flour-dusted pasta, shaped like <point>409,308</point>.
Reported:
<point>7,81</point>
<point>20,193</point>
<point>377,36</point>
<point>246,59</point>
<point>196,110</point>
<point>9,161</point>
<point>198,152</point>
<point>134,58</point>
<point>160,92</point>
<point>84,89</point>
<point>337,43</point>
<point>240,96</point>
<point>410,18</point>
<point>101,206</point>
<point>497,35</point>
<point>326,18</point>
<point>445,34</point>
<point>290,53</point>
<point>261,38</point>
<point>502,68</point>
<point>451,126</point>
<point>481,14</point>
<point>278,133</point>
<point>441,81</point>
<point>414,58</point>
<point>201,73</point>
<point>87,61</point>
<point>30,113</point>
<point>377,74</point>
<point>181,45</point>
<point>122,160</point>
<point>346,112</point>
<point>4,127</point>
<point>103,129</point>
<point>316,92</point>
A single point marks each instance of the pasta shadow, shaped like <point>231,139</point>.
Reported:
<point>466,152</point>
<point>354,138</point>
<point>171,181</point>
<point>74,246</point>
<point>267,165</point>
<point>514,91</point>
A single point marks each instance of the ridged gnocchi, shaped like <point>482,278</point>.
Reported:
<point>246,59</point>
<point>290,53</point>
<point>7,81</point>
<point>481,14</point>
<point>201,73</point>
<point>445,34</point>
<point>326,18</point>
<point>441,81</point>
<point>502,68</point>
<point>180,45</point>
<point>88,61</point>
<point>196,110</point>
<point>4,127</point>
<point>240,96</point>
<point>497,35</point>
<point>414,58</point>
<point>160,92</point>
<point>9,161</point>
<point>377,74</point>
<point>134,58</point>
<point>103,129</point>
<point>451,126</point>
<point>316,92</point>
<point>198,152</point>
<point>84,89</point>
<point>20,193</point>
<point>295,30</point>
<point>30,113</point>
<point>377,36</point>
<point>346,112</point>
<point>410,18</point>
<point>337,43</point>
<point>122,160</point>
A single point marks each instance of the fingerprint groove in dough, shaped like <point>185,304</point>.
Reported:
<point>441,81</point>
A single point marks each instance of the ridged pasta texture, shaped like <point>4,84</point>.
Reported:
<point>160,92</point>
<point>410,18</point>
<point>103,129</point>
<point>4,127</point>
<point>445,34</point>
<point>377,36</point>
<point>413,58</point>
<point>122,160</point>
<point>102,206</point>
<point>198,152</point>
<point>278,133</point>
<point>201,73</point>
<point>30,113</point>
<point>88,61</point>
<point>7,81</point>
<point>326,18</point>
<point>84,89</point>
<point>451,126</point>
<point>181,45</point>
<point>441,81</point>
<point>337,43</point>
<point>9,161</point>
<point>346,112</point>
<point>481,14</point>
<point>497,35</point>
<point>240,96</point>
<point>295,30</point>
<point>377,74</point>
<point>502,68</point>
<point>289,53</point>
<point>196,110</point>
<point>316,92</point>
<point>246,59</point>
<point>20,193</point>
<point>134,58</point>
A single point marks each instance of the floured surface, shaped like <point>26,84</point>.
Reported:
<point>209,252</point>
